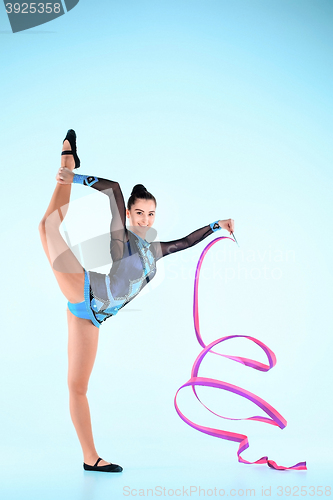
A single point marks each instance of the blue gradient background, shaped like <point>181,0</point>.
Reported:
<point>222,109</point>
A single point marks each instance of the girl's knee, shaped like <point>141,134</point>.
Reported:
<point>77,388</point>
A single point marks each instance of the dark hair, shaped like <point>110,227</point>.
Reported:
<point>139,192</point>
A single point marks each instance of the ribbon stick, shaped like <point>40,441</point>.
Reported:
<point>273,418</point>
<point>234,238</point>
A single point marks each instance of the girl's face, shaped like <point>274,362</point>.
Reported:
<point>142,214</point>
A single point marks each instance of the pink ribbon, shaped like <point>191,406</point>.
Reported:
<point>274,416</point>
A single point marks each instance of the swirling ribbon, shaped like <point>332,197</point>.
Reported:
<point>274,416</point>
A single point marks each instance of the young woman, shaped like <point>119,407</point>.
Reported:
<point>94,297</point>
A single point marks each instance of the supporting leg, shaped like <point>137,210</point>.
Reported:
<point>82,348</point>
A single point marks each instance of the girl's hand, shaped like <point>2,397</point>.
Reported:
<point>64,176</point>
<point>228,224</point>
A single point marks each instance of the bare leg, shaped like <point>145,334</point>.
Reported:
<point>82,334</point>
<point>82,348</point>
<point>65,266</point>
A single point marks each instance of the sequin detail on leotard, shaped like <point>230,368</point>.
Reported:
<point>111,292</point>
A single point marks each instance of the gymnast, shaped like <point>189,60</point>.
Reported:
<point>94,297</point>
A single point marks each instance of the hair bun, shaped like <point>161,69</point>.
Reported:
<point>141,193</point>
<point>138,188</point>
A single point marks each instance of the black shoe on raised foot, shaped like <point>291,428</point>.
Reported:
<point>103,468</point>
<point>71,137</point>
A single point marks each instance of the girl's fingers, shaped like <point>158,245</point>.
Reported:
<point>59,179</point>
<point>229,225</point>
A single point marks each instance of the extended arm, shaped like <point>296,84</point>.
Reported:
<point>117,205</point>
<point>163,248</point>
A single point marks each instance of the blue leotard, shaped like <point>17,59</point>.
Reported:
<point>133,258</point>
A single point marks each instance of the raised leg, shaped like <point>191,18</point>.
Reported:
<point>82,348</point>
<point>65,266</point>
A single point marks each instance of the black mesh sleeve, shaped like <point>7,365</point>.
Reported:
<point>113,191</point>
<point>163,248</point>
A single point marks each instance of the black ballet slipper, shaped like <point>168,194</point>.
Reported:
<point>71,138</point>
<point>103,468</point>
